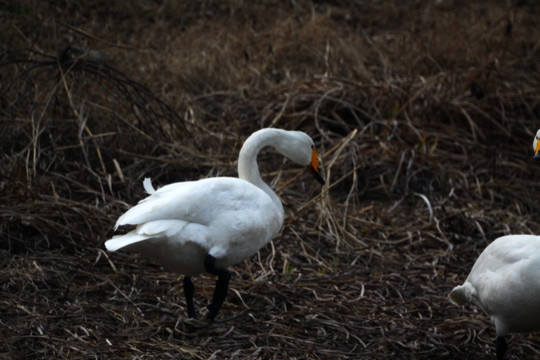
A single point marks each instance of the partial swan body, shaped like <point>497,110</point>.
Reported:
<point>207,225</point>
<point>536,145</point>
<point>505,283</point>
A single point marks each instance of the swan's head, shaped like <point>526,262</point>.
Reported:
<point>299,147</point>
<point>536,146</point>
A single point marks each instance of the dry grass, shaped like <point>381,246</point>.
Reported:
<point>424,114</point>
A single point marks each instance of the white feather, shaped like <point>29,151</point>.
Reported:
<point>147,184</point>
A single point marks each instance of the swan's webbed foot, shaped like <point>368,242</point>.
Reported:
<point>188,292</point>
<point>501,347</point>
<point>222,284</point>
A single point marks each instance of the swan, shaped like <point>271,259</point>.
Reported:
<point>505,283</point>
<point>207,225</point>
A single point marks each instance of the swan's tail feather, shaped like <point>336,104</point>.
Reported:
<point>462,294</point>
<point>121,241</point>
<point>138,213</point>
<point>147,183</point>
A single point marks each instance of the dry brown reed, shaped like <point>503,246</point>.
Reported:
<point>423,113</point>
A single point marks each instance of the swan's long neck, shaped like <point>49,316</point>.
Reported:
<point>247,161</point>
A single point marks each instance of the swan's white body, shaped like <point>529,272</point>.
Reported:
<point>181,223</point>
<point>505,283</point>
<point>227,219</point>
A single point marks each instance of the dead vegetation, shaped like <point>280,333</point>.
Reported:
<point>423,113</point>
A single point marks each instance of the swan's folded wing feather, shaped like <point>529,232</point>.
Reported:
<point>196,201</point>
<point>160,204</point>
<point>121,241</point>
<point>178,231</point>
<point>178,245</point>
<point>168,228</point>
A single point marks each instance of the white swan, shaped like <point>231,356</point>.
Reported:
<point>207,225</point>
<point>505,283</point>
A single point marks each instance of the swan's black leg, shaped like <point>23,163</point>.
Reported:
<point>221,286</point>
<point>501,347</point>
<point>188,292</point>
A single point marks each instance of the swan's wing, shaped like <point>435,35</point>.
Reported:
<point>178,245</point>
<point>177,230</point>
<point>121,241</point>
<point>507,254</point>
<point>196,201</point>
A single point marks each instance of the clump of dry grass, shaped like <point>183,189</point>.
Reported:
<point>423,115</point>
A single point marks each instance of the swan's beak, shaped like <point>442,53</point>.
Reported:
<point>313,167</point>
<point>537,150</point>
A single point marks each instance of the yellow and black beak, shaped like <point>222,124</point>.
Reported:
<point>537,150</point>
<point>313,167</point>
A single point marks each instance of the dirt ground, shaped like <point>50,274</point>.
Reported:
<point>423,112</point>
